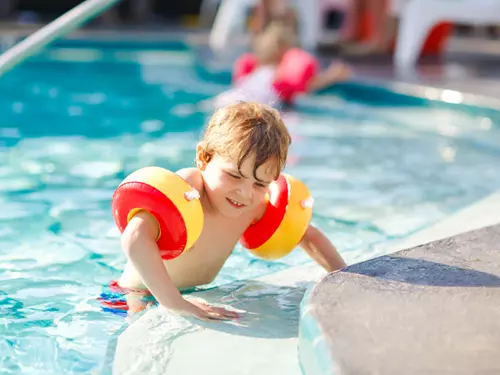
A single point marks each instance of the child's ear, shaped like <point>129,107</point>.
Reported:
<point>201,157</point>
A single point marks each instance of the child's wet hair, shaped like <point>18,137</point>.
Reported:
<point>245,129</point>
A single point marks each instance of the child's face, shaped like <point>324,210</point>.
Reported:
<point>234,192</point>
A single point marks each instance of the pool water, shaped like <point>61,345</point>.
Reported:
<point>79,117</point>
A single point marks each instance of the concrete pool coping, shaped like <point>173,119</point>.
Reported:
<point>320,350</point>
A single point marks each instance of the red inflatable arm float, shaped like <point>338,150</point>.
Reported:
<point>296,69</point>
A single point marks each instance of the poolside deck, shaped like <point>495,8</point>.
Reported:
<point>430,309</point>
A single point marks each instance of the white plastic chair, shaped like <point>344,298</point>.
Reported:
<point>418,17</point>
<point>230,19</point>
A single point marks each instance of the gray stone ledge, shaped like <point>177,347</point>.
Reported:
<point>431,309</point>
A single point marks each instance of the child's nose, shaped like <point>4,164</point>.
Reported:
<point>245,191</point>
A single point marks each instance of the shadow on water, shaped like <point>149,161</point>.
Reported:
<point>423,272</point>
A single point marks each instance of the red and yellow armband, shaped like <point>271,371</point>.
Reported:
<point>169,199</point>
<point>296,69</point>
<point>285,221</point>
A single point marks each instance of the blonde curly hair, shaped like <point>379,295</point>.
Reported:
<point>244,129</point>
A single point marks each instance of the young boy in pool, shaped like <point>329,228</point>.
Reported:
<point>243,150</point>
<point>269,48</point>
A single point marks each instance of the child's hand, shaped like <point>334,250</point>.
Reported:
<point>204,311</point>
<point>335,72</point>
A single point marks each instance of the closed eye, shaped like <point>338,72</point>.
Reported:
<point>233,175</point>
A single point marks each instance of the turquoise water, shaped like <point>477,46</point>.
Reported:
<point>79,117</point>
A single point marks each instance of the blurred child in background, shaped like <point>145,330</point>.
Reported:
<point>265,80</point>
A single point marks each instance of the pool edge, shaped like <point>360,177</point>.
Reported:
<point>313,350</point>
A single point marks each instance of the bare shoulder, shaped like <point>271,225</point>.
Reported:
<point>193,177</point>
<point>142,224</point>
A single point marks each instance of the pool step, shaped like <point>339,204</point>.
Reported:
<point>263,342</point>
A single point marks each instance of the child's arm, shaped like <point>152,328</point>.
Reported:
<point>336,72</point>
<point>139,244</point>
<point>319,248</point>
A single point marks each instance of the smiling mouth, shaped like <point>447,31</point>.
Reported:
<point>235,203</point>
